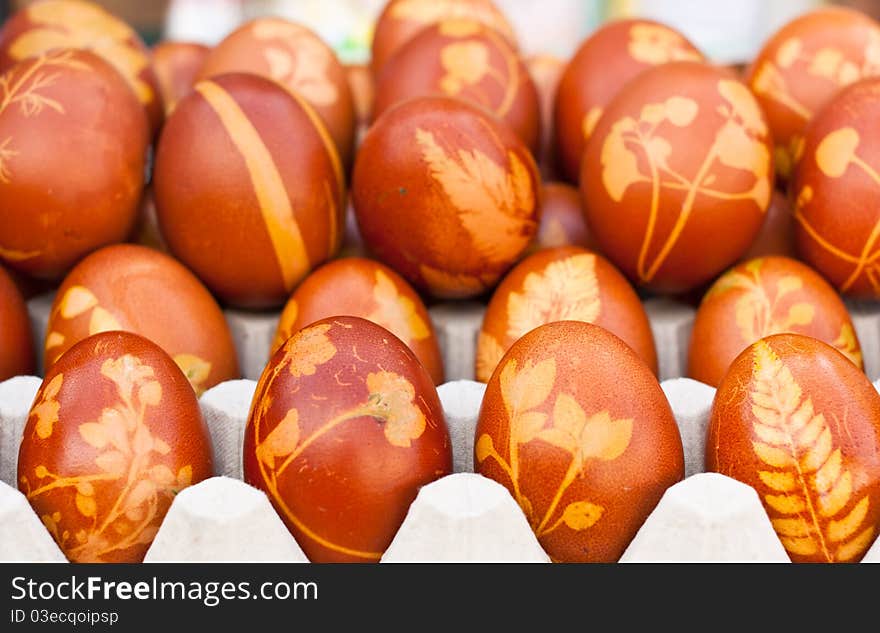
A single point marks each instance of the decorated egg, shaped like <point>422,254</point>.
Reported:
<point>567,283</point>
<point>115,432</point>
<point>50,25</point>
<point>344,428</point>
<point>401,20</point>
<point>16,345</point>
<point>764,296</point>
<point>360,82</point>
<point>137,289</point>
<point>836,188</point>
<point>468,60</point>
<point>776,236</point>
<point>72,160</point>
<point>680,159</point>
<point>359,287</point>
<point>798,422</point>
<point>249,211</point>
<point>146,229</point>
<point>562,219</point>
<point>576,427</point>
<point>445,194</point>
<point>177,65</point>
<point>297,59</point>
<point>546,71</point>
<point>804,65</point>
<point>611,57</point>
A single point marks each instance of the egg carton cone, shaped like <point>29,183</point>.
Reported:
<point>461,401</point>
<point>39,308</point>
<point>23,537</point>
<point>464,518</point>
<point>671,324</point>
<point>225,408</point>
<point>873,554</point>
<point>691,402</point>
<point>252,334</point>
<point>866,321</point>
<point>16,396</point>
<point>707,518</point>
<point>223,520</point>
<point>457,326</point>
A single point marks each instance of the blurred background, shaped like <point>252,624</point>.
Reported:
<point>728,32</point>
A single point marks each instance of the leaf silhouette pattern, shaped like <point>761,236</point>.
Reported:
<point>489,354</point>
<point>657,44</point>
<point>396,312</point>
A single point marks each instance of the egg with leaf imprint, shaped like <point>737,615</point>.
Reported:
<point>344,428</point>
<point>677,175</point>
<point>445,194</point>
<point>137,289</point>
<point>177,65</point>
<point>16,345</point>
<point>761,297</point>
<point>567,283</point>
<point>114,433</point>
<point>796,420</point>
<point>577,428</point>
<point>563,222</point>
<point>545,71</point>
<point>354,286</point>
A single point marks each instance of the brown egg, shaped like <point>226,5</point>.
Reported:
<point>16,345</point>
<point>804,65</point>
<point>247,209</point>
<point>776,236</point>
<point>576,426</point>
<point>177,65</point>
<point>345,427</point>
<point>546,71</point>
<point>836,188</point>
<point>146,229</point>
<point>114,434</point>
<point>468,60</point>
<point>50,25</point>
<point>764,296</point>
<point>567,283</point>
<point>363,288</point>
<point>401,20</point>
<point>360,82</point>
<point>300,61</point>
<point>798,422</point>
<point>72,161</point>
<point>445,194</point>
<point>678,175</point>
<point>606,61</point>
<point>137,289</point>
<point>563,222</point>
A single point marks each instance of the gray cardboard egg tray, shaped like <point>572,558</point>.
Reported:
<point>463,517</point>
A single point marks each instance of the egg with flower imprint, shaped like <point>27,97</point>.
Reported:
<point>16,345</point>
<point>250,212</point>
<point>177,65</point>
<point>72,136</point>
<point>562,284</point>
<point>681,157</point>
<point>803,65</point>
<point>761,297</point>
<point>577,428</point>
<point>562,219</point>
<point>446,195</point>
<point>610,58</point>
<point>50,25</point>
<point>344,428</point>
<point>401,20</point>
<point>115,432</point>
<point>137,289</point>
<point>299,60</point>
<point>836,192</point>
<point>355,286</point>
<point>800,423</point>
<point>468,60</point>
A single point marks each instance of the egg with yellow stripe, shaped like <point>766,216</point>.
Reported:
<point>248,188</point>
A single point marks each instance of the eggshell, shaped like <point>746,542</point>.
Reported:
<point>137,289</point>
<point>836,188</point>
<point>345,427</point>
<point>563,221</point>
<point>146,229</point>
<point>359,287</point>
<point>798,422</point>
<point>114,434</point>
<point>300,61</point>
<point>776,236</point>
<point>72,160</point>
<point>576,426</point>
<point>360,82</point>
<point>177,65</point>
<point>445,194</point>
<point>803,65</point>
<point>760,297</point>
<point>16,346</point>
<point>57,24</point>
<point>241,204</point>
<point>562,284</point>
<point>468,60</point>
<point>401,20</point>
<point>546,71</point>
<point>678,175</point>
<point>610,58</point>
